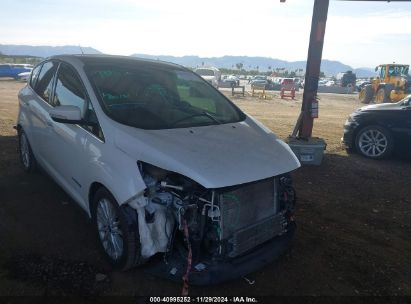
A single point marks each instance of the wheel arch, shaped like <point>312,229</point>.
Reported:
<point>92,191</point>
<point>93,188</point>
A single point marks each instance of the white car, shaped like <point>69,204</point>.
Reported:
<point>24,76</point>
<point>210,74</point>
<point>162,162</point>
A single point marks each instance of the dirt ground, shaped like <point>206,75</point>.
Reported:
<point>353,217</point>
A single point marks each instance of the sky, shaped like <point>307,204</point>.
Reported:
<point>358,33</point>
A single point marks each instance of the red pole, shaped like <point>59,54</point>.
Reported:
<point>312,73</point>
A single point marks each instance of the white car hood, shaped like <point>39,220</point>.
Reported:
<point>214,156</point>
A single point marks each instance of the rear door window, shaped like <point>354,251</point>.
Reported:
<point>69,89</point>
<point>45,79</point>
<point>35,76</point>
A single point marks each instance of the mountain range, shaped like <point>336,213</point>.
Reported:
<point>44,50</point>
<point>329,67</point>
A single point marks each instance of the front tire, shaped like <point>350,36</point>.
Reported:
<point>374,142</point>
<point>117,231</point>
<point>26,153</point>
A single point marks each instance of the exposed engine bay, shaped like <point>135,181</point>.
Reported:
<point>200,226</point>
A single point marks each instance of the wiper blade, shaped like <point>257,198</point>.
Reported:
<point>203,113</point>
<point>211,117</point>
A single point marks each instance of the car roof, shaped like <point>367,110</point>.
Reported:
<point>97,59</point>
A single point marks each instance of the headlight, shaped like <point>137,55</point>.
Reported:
<point>352,120</point>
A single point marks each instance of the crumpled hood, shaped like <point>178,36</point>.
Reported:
<point>214,156</point>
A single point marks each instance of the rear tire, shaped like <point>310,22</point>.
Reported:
<point>367,94</point>
<point>27,158</point>
<point>374,142</point>
<point>117,231</point>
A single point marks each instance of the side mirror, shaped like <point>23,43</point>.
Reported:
<point>66,114</point>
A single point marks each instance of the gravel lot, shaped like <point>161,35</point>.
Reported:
<point>353,217</point>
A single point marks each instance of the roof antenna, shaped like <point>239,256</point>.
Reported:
<point>81,49</point>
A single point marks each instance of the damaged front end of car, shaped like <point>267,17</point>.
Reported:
<point>212,235</point>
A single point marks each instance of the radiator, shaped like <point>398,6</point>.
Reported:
<point>249,215</point>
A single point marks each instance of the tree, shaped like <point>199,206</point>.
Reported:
<point>239,65</point>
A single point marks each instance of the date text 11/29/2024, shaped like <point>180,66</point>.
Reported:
<point>203,300</point>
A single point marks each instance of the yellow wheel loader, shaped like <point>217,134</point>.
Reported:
<point>391,85</point>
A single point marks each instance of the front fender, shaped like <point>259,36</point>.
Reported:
<point>117,172</point>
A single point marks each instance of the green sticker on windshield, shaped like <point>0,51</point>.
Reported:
<point>105,74</point>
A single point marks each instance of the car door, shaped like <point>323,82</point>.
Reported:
<point>26,96</point>
<point>67,143</point>
<point>39,107</point>
<point>398,121</point>
<point>405,122</point>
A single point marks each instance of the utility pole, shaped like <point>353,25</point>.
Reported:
<point>312,74</point>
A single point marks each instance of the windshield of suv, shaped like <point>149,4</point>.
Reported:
<point>205,72</point>
<point>160,97</point>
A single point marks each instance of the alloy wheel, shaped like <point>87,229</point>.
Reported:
<point>373,143</point>
<point>109,230</point>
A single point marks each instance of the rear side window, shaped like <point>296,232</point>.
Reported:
<point>35,76</point>
<point>44,83</point>
<point>69,89</point>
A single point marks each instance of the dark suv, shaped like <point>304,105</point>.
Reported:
<point>375,130</point>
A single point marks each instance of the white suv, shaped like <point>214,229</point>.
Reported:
<point>210,74</point>
<point>162,163</point>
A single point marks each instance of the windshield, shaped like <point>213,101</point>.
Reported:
<point>397,70</point>
<point>405,101</point>
<point>205,72</point>
<point>160,97</point>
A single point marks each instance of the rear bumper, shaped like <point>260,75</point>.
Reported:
<point>220,271</point>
